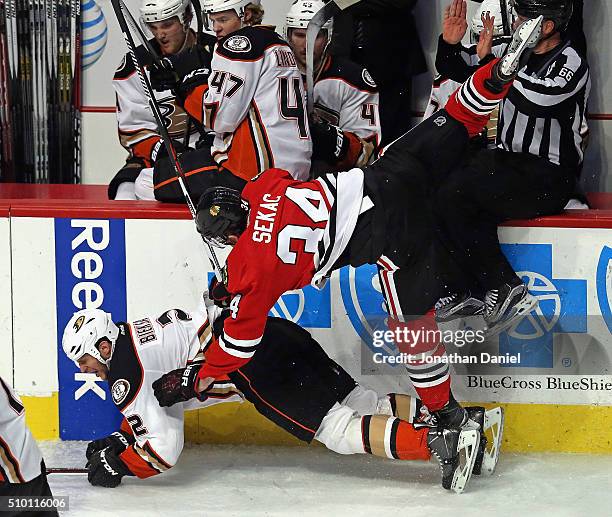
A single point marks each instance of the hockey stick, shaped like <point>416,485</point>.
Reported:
<point>119,8</point>
<point>505,12</point>
<point>141,35</point>
<point>314,26</point>
<point>157,59</point>
<point>198,14</point>
<point>66,471</point>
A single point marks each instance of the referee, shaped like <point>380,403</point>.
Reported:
<point>532,172</point>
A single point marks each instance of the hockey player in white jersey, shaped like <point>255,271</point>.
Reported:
<point>22,469</point>
<point>248,92</point>
<point>169,23</point>
<point>292,382</point>
<point>346,127</point>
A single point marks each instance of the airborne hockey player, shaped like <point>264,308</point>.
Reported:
<point>168,21</point>
<point>346,127</point>
<point>292,382</point>
<point>22,469</point>
<point>248,92</point>
<point>286,234</point>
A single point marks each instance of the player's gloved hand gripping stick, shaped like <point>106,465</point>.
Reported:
<point>123,15</point>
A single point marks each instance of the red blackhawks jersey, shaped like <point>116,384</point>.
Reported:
<point>254,103</point>
<point>295,234</point>
<point>145,350</point>
<point>20,458</point>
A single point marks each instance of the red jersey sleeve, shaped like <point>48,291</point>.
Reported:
<point>242,332</point>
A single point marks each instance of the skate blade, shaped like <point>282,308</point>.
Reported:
<point>467,449</point>
<point>520,310</point>
<point>529,32</point>
<point>494,420</point>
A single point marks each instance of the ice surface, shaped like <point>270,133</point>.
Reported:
<point>284,481</point>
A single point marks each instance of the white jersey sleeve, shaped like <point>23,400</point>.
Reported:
<point>136,124</point>
<point>441,90</point>
<point>145,350</point>
<point>346,96</point>
<point>20,457</point>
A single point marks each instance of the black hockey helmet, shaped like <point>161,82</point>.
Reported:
<point>559,11</point>
<point>221,212</point>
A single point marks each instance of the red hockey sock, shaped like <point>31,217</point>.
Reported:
<point>390,437</point>
<point>473,102</point>
<point>426,367</point>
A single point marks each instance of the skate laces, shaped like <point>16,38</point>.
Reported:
<point>443,461</point>
<point>491,300</point>
<point>446,301</point>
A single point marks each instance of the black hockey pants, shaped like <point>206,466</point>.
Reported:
<point>400,234</point>
<point>494,187</point>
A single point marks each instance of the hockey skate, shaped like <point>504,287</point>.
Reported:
<point>506,306</point>
<point>455,450</point>
<point>460,312</point>
<point>452,416</point>
<point>525,37</point>
<point>488,451</point>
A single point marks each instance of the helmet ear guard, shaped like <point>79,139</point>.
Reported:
<point>221,212</point>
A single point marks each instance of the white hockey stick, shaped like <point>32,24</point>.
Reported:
<point>314,26</point>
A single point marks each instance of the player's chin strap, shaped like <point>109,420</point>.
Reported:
<point>312,30</point>
<point>121,11</point>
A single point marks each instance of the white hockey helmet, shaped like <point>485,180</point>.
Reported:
<point>301,13</point>
<point>152,11</point>
<point>218,6</point>
<point>84,332</point>
<point>502,13</point>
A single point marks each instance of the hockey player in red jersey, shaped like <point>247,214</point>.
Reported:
<point>287,234</point>
<point>22,469</point>
<point>291,382</point>
<point>345,125</point>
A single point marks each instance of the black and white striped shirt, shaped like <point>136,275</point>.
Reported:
<point>544,113</point>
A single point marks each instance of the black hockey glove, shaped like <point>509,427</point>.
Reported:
<point>181,72</point>
<point>104,468</point>
<point>177,386</point>
<point>328,142</point>
<point>218,293</point>
<point>119,441</point>
<point>159,150</point>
